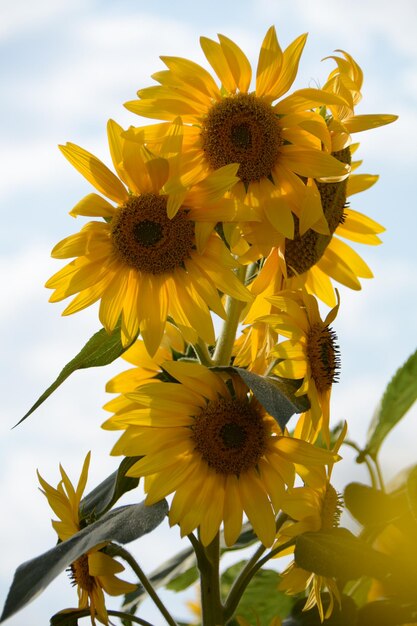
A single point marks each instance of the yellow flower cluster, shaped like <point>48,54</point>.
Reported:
<point>233,206</point>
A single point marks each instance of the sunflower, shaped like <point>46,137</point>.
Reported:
<point>314,259</point>
<point>207,440</point>
<point>310,353</point>
<point>141,263</point>
<point>93,572</point>
<point>346,81</point>
<point>312,509</point>
<point>275,140</point>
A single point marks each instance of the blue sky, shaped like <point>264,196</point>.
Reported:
<point>66,67</point>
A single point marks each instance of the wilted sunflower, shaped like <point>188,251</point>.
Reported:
<point>94,571</point>
<point>207,440</point>
<point>274,139</point>
<point>310,353</point>
<point>141,264</point>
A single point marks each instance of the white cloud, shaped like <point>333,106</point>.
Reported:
<point>20,16</point>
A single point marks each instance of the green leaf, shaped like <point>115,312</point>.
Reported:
<point>106,494</point>
<point>398,397</point>
<point>261,597</point>
<point>277,395</point>
<point>161,576</point>
<point>337,553</point>
<point>101,349</point>
<point>184,580</point>
<point>122,525</point>
<point>370,506</point>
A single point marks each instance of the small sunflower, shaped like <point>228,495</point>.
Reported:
<point>140,263</point>
<point>94,572</point>
<point>312,509</point>
<point>207,440</point>
<point>274,139</point>
<point>309,354</point>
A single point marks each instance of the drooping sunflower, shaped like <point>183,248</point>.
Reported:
<point>310,354</point>
<point>140,263</point>
<point>346,81</point>
<point>94,572</point>
<point>274,139</point>
<point>315,259</point>
<point>207,440</point>
<point>312,509</point>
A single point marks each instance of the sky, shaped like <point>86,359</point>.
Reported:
<point>66,67</point>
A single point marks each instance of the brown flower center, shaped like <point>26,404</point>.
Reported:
<point>146,239</point>
<point>304,251</point>
<point>323,355</point>
<point>231,435</point>
<point>242,129</point>
<point>79,574</point>
<point>331,508</point>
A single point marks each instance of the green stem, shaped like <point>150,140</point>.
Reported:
<point>379,473</point>
<point>208,565</point>
<point>203,353</point>
<point>132,618</point>
<point>250,569</point>
<point>226,340</point>
<point>116,550</point>
<point>369,467</point>
<point>234,599</point>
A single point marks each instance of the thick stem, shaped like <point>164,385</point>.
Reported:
<point>116,550</point>
<point>211,604</point>
<point>224,345</point>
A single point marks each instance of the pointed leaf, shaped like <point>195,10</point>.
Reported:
<point>101,349</point>
<point>106,494</point>
<point>184,580</point>
<point>122,525</point>
<point>275,394</point>
<point>399,396</point>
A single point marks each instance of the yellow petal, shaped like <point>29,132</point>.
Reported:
<point>269,65</point>
<point>215,56</point>
<point>238,63</point>
<point>93,205</point>
<point>313,163</point>
<point>358,123</point>
<point>290,62</point>
<point>257,507</point>
<point>232,510</point>
<point>95,172</point>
